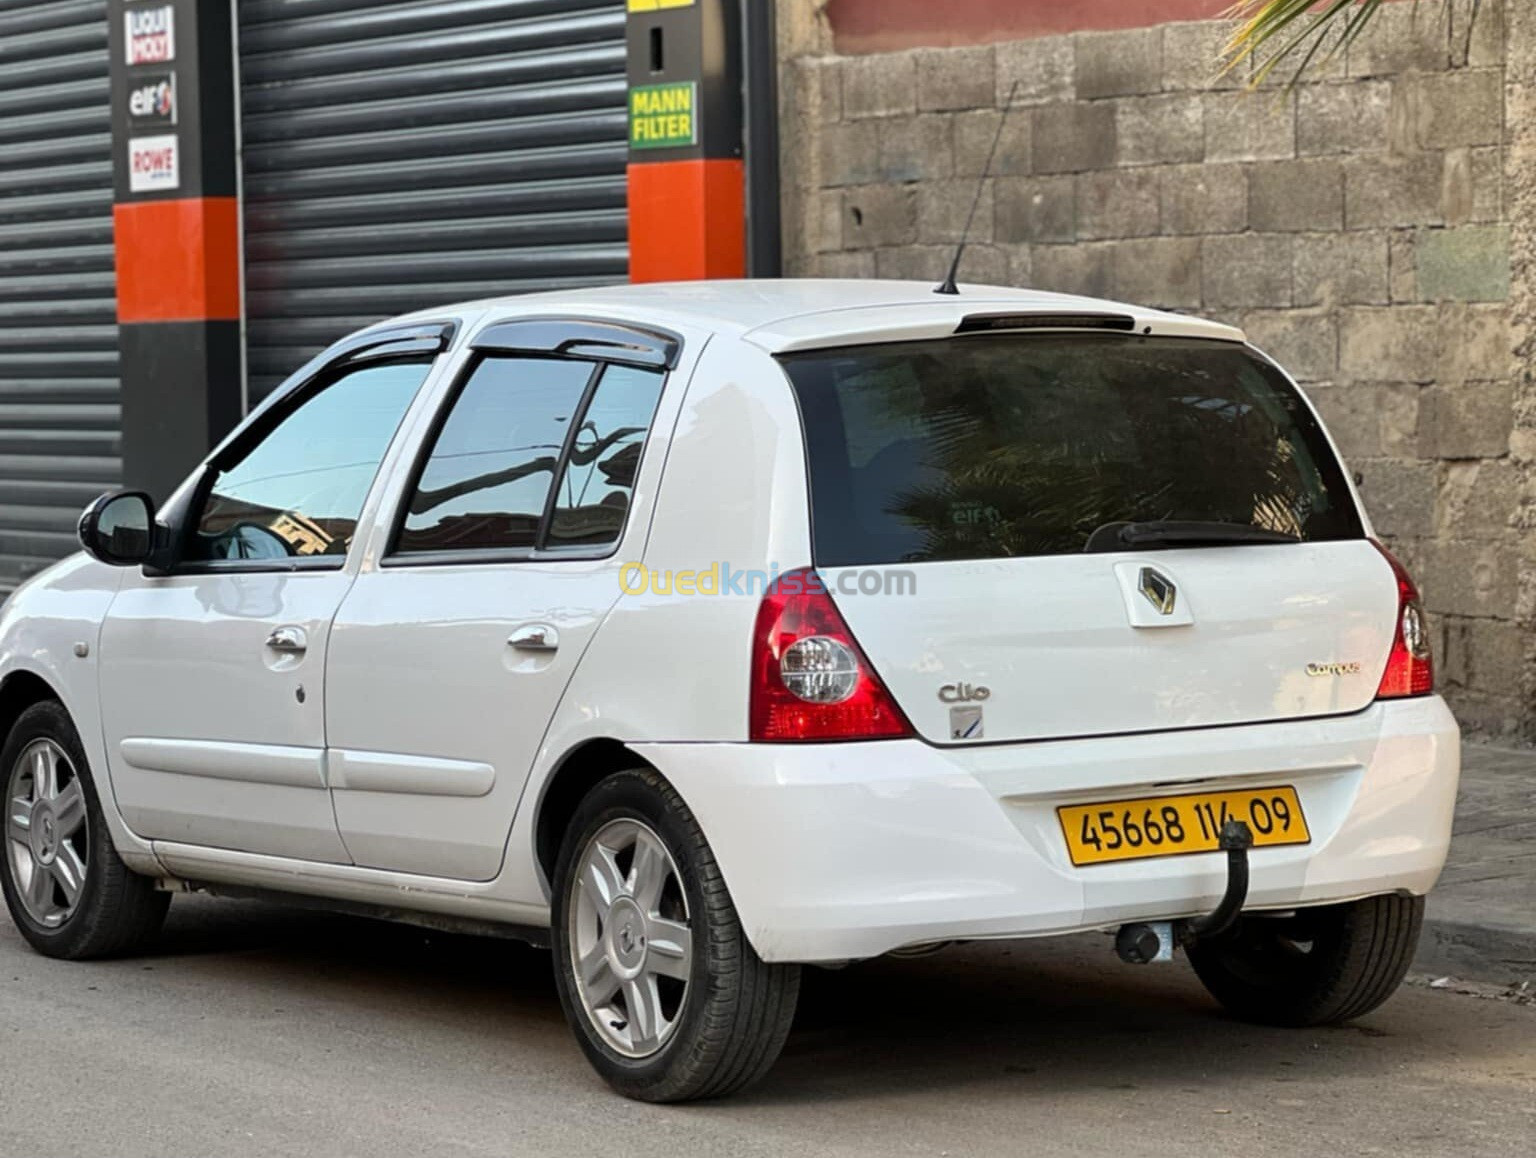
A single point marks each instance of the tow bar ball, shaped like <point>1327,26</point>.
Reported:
<point>1145,941</point>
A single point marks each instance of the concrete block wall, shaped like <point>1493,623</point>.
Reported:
<point>1358,227</point>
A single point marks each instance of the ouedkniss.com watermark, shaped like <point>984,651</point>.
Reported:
<point>723,579</point>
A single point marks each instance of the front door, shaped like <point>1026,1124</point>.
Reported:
<point>448,660</point>
<point>212,677</point>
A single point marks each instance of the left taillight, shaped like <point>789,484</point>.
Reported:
<point>1411,663</point>
<point>810,680</point>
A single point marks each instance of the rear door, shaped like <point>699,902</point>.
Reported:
<point>448,660</point>
<point>1075,534</point>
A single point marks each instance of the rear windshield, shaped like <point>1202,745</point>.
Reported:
<point>997,446</point>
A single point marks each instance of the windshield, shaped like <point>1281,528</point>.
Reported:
<point>998,446</point>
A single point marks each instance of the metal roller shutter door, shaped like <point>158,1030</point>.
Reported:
<point>406,155</point>
<point>59,411</point>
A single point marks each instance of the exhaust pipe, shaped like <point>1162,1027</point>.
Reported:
<point>1145,942</point>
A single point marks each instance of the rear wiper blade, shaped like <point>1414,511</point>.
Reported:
<point>1182,533</point>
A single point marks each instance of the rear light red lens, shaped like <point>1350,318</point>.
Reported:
<point>822,689</point>
<point>1411,665</point>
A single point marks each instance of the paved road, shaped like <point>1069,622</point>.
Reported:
<point>262,1031</point>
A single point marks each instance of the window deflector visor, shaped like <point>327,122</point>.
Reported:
<point>604,341</point>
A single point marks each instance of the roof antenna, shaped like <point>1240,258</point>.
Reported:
<point>949,286</point>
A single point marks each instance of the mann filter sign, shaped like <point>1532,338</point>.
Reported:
<point>664,116</point>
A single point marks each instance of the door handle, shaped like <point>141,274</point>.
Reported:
<point>288,640</point>
<point>535,637</point>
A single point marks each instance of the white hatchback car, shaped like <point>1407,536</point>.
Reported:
<point>705,631</point>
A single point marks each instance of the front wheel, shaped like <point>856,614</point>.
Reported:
<point>1317,966</point>
<point>68,891</point>
<point>667,998</point>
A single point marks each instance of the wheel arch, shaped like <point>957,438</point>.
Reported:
<point>20,690</point>
<point>578,772</point>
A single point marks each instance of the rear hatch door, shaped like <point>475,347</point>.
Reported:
<point>1050,535</point>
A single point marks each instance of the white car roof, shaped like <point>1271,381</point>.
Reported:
<point>781,315</point>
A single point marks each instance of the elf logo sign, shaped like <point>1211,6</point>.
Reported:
<point>153,103</point>
<point>154,164</point>
<point>151,35</point>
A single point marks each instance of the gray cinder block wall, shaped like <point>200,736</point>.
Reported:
<point>1360,228</point>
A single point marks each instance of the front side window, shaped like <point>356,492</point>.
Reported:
<point>1029,444</point>
<point>298,493</point>
<point>535,453</point>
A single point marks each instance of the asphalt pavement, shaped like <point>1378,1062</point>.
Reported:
<point>256,1030</point>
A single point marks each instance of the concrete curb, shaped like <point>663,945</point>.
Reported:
<point>1476,952</point>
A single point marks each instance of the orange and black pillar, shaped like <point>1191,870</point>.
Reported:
<point>687,177</point>
<point>177,232</point>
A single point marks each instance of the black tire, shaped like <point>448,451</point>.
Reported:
<point>733,1019</point>
<point>118,911</point>
<point>1322,966</point>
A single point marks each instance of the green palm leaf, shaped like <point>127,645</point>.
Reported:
<point>1299,33</point>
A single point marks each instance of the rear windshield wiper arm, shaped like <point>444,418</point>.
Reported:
<point>1182,533</point>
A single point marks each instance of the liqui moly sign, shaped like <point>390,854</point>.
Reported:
<point>151,35</point>
<point>154,164</point>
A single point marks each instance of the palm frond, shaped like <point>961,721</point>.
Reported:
<point>1303,33</point>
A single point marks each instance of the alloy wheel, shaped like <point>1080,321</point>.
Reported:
<point>46,834</point>
<point>630,939</point>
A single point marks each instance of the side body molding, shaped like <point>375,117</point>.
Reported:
<point>408,775</point>
<point>276,764</point>
<point>292,767</point>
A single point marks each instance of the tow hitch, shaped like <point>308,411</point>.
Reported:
<point>1147,941</point>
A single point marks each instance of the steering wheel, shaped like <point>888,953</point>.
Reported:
<point>250,541</point>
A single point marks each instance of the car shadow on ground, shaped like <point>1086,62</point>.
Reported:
<point>1036,1017</point>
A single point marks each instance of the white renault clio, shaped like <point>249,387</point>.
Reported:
<point>705,631</point>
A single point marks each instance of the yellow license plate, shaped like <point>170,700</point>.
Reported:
<point>1176,825</point>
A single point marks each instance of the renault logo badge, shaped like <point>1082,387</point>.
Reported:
<point>1159,590</point>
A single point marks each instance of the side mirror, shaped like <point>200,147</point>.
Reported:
<point>118,529</point>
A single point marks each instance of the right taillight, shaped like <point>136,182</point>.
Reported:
<point>1411,665</point>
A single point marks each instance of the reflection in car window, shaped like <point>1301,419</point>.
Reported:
<point>1015,445</point>
<point>599,480</point>
<point>487,481</point>
<point>300,490</point>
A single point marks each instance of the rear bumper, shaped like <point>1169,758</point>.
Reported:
<point>842,852</point>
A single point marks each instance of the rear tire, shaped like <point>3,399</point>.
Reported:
<point>68,891</point>
<point>672,1003</point>
<point>1322,966</point>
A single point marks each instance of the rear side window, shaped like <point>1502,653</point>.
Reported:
<point>487,480</point>
<point>535,453</point>
<point>1000,446</point>
<point>595,489</point>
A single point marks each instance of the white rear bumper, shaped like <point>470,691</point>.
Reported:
<point>847,851</point>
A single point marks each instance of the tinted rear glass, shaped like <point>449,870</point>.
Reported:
<point>998,446</point>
